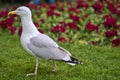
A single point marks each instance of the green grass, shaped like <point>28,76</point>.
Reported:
<point>100,63</point>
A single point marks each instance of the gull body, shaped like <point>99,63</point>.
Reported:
<point>38,44</point>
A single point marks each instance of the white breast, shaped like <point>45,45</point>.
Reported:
<point>25,39</point>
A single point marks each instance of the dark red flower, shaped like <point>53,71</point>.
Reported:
<point>57,14</point>
<point>109,21</point>
<point>98,7</point>
<point>111,33</point>
<point>117,26</point>
<point>7,22</point>
<point>58,28</point>
<point>106,16</point>
<point>62,22</point>
<point>50,13</point>
<point>61,39</point>
<point>45,5</point>
<point>12,29</point>
<point>93,43</point>
<point>75,18</point>
<point>20,31</point>
<point>118,12</point>
<point>91,27</point>
<point>3,13</point>
<point>52,7</point>
<point>10,20</point>
<point>61,8</point>
<point>82,4</point>
<point>42,20</point>
<point>3,24</point>
<point>36,24</point>
<point>33,6</point>
<point>40,30</point>
<point>72,9</point>
<point>73,25</point>
<point>14,7</point>
<point>111,8</point>
<point>86,15</point>
<point>116,42</point>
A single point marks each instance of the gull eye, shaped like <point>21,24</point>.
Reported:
<point>19,9</point>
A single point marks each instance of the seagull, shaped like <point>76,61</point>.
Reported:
<point>40,45</point>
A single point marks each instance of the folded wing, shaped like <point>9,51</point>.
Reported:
<point>43,46</point>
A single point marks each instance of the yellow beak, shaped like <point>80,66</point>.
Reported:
<point>11,13</point>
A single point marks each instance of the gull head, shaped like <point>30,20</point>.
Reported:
<point>21,11</point>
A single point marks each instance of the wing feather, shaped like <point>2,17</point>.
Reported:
<point>43,40</point>
<point>46,48</point>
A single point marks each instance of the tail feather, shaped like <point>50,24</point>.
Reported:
<point>73,61</point>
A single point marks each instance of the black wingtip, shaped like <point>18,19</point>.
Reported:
<point>76,61</point>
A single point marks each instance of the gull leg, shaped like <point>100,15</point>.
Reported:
<point>36,68</point>
<point>54,67</point>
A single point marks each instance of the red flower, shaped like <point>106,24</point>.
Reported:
<point>7,22</point>
<point>52,7</point>
<point>75,18</point>
<point>93,43</point>
<point>111,33</point>
<point>10,20</point>
<point>3,13</point>
<point>116,42</point>
<point>33,6</point>
<point>45,6</point>
<point>50,13</point>
<point>57,14</point>
<point>98,7</point>
<point>3,24</point>
<point>87,15</point>
<point>81,4</point>
<point>20,31</point>
<point>72,9</point>
<point>109,21</point>
<point>12,29</point>
<point>118,12</point>
<point>72,25</point>
<point>42,20</point>
<point>91,27</point>
<point>36,24</point>
<point>40,30</point>
<point>58,28</point>
<point>111,8</point>
<point>62,23</point>
<point>117,26</point>
<point>61,8</point>
<point>14,7</point>
<point>61,39</point>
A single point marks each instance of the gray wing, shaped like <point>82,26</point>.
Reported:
<point>43,40</point>
<point>48,50</point>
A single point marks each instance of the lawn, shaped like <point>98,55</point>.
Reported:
<point>100,63</point>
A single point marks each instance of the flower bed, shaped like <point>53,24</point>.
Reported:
<point>80,22</point>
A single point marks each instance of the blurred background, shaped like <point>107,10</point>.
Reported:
<point>93,22</point>
<point>8,3</point>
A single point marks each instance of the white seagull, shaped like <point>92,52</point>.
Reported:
<point>40,45</point>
